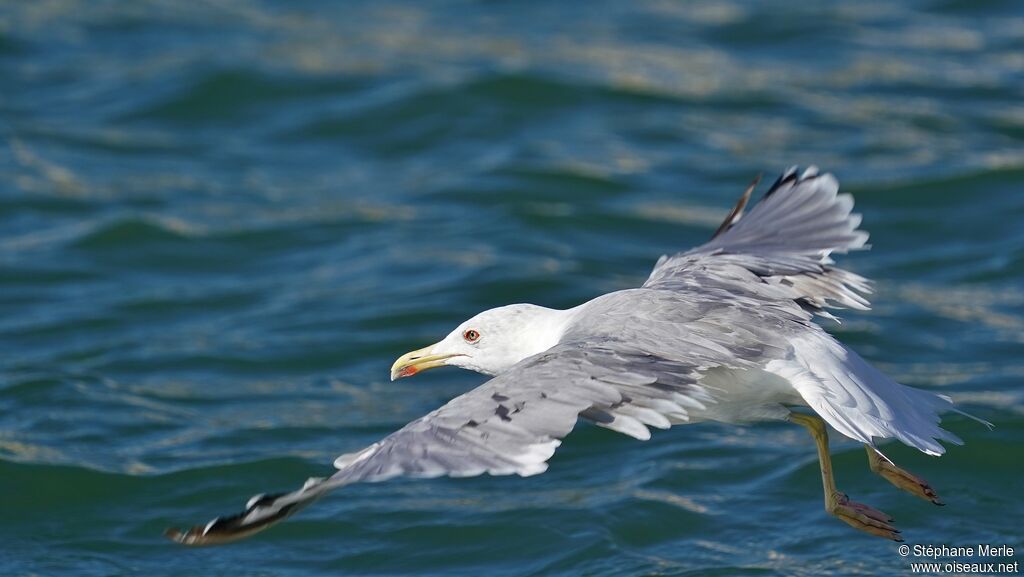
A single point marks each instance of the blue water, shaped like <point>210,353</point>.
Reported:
<point>221,222</point>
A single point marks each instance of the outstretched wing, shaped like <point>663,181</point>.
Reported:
<point>787,239</point>
<point>512,424</point>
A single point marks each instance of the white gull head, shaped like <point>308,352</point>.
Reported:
<point>489,343</point>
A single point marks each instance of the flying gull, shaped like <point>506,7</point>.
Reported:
<point>723,332</point>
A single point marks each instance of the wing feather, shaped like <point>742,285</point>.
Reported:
<point>511,424</point>
<point>786,239</point>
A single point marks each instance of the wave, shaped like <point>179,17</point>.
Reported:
<point>136,231</point>
<point>235,96</point>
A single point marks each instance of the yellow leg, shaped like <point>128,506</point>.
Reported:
<point>903,479</point>
<point>857,515</point>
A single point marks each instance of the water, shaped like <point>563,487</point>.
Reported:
<point>221,222</point>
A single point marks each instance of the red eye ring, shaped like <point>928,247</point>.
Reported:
<point>471,335</point>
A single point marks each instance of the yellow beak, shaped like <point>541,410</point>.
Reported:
<point>411,363</point>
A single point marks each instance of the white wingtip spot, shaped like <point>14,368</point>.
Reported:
<point>210,525</point>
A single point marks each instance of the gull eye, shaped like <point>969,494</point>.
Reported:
<point>471,335</point>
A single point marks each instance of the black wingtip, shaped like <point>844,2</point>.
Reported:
<point>791,175</point>
<point>235,527</point>
<point>221,531</point>
<point>193,537</point>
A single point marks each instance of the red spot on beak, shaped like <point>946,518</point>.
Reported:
<point>408,371</point>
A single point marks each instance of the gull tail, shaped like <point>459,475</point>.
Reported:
<point>862,403</point>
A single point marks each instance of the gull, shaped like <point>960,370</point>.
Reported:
<point>724,332</point>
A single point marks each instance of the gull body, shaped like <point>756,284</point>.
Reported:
<point>723,332</point>
<point>513,333</point>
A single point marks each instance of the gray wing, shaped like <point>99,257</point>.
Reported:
<point>512,424</point>
<point>786,240</point>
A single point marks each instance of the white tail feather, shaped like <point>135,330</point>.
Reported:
<point>859,401</point>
